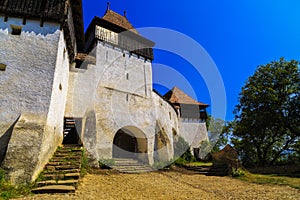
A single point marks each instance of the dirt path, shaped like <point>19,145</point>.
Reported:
<point>170,185</point>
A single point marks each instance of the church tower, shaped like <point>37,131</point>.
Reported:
<point>116,106</point>
<point>39,40</point>
<point>122,50</point>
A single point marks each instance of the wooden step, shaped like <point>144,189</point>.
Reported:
<point>64,167</point>
<point>70,122</point>
<point>61,167</point>
<point>64,151</point>
<point>68,155</point>
<point>57,182</point>
<point>54,189</point>
<point>60,176</point>
<point>61,171</point>
<point>60,159</point>
<point>64,163</point>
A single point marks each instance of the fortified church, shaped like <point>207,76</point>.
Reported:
<point>59,85</point>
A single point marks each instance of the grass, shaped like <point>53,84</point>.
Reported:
<point>106,163</point>
<point>270,179</point>
<point>8,190</point>
<point>200,164</point>
<point>84,164</point>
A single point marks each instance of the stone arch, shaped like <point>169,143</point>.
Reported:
<point>130,142</point>
<point>162,144</point>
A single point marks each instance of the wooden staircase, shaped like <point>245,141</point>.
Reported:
<point>69,124</point>
<point>62,173</point>
<point>131,166</point>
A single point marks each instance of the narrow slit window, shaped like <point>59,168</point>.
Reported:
<point>64,55</point>
<point>127,76</point>
<point>16,30</point>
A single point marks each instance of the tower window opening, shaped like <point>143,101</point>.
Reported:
<point>2,67</point>
<point>127,76</point>
<point>16,30</point>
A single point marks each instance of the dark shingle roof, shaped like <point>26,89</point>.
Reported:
<point>177,96</point>
<point>48,10</point>
<point>129,38</point>
<point>119,20</point>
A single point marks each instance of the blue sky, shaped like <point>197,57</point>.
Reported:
<point>238,36</point>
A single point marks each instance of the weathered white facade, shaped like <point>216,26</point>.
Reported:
<point>33,93</point>
<point>116,93</point>
<point>117,112</point>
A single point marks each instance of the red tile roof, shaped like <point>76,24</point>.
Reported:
<point>178,96</point>
<point>119,20</point>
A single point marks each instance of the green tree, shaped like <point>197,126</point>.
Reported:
<point>217,133</point>
<point>267,116</point>
<point>182,150</point>
<point>217,136</point>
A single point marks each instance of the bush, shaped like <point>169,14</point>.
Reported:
<point>180,162</point>
<point>237,172</point>
<point>8,191</point>
<point>2,175</point>
<point>84,164</point>
<point>106,163</point>
<point>182,150</point>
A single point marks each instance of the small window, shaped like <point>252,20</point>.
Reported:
<point>127,76</point>
<point>127,97</point>
<point>2,67</point>
<point>64,55</point>
<point>16,30</point>
<point>170,115</point>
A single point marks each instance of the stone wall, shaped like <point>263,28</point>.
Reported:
<point>194,133</point>
<point>115,94</point>
<point>30,90</point>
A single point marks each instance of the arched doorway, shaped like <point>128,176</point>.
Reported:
<point>130,142</point>
<point>72,128</point>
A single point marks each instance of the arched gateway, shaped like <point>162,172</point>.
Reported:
<point>130,142</point>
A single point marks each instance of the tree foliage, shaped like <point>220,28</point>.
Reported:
<point>267,116</point>
<point>182,150</point>
<point>217,137</point>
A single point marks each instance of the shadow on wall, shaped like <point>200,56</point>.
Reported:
<point>88,136</point>
<point>4,140</point>
<point>161,145</point>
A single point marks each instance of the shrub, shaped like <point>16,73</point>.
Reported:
<point>163,164</point>
<point>237,172</point>
<point>182,150</point>
<point>106,163</point>
<point>84,163</point>
<point>8,191</point>
<point>2,175</point>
